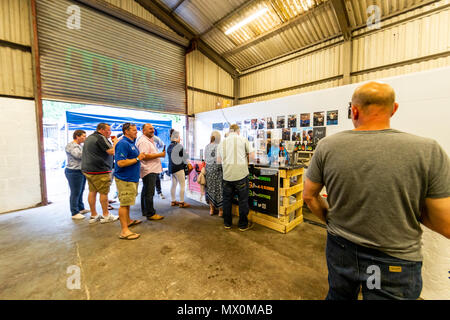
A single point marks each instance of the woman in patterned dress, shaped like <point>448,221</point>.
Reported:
<point>213,176</point>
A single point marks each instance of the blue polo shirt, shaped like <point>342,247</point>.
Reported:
<point>126,149</point>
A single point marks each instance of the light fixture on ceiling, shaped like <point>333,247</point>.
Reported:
<point>247,20</point>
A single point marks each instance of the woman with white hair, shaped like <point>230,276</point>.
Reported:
<point>213,176</point>
<point>176,168</point>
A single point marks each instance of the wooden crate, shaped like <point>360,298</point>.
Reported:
<point>289,215</point>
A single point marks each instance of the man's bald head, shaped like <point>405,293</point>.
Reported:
<point>148,130</point>
<point>374,94</point>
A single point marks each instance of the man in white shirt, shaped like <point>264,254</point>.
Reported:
<point>234,152</point>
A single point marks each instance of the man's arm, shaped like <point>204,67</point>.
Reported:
<point>111,150</point>
<point>315,202</point>
<point>130,162</point>
<point>436,215</point>
<point>150,156</point>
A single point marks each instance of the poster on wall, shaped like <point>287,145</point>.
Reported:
<point>239,124</point>
<point>296,135</point>
<point>270,124</point>
<point>247,122</point>
<point>226,126</point>
<point>286,135</point>
<point>292,121</point>
<point>281,122</point>
<point>319,119</point>
<point>261,123</point>
<point>254,124</point>
<point>217,126</point>
<point>318,134</point>
<point>332,118</point>
<point>307,139</point>
<point>305,120</point>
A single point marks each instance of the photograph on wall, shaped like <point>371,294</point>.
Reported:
<point>276,134</point>
<point>217,126</point>
<point>261,145</point>
<point>318,134</point>
<point>247,122</point>
<point>261,123</point>
<point>286,135</point>
<point>332,118</point>
<point>292,121</point>
<point>261,134</point>
<point>319,119</point>
<point>269,134</point>
<point>281,122</point>
<point>254,124</point>
<point>239,123</point>
<point>270,124</point>
<point>305,120</point>
<point>307,139</point>
<point>296,135</point>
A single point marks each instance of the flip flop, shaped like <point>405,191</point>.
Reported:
<point>110,207</point>
<point>128,237</point>
<point>134,222</point>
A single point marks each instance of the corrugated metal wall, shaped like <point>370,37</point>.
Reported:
<point>203,74</point>
<point>138,10</point>
<point>309,68</point>
<point>16,75</point>
<point>407,42</point>
<point>415,41</point>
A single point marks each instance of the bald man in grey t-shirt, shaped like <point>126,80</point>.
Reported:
<point>381,183</point>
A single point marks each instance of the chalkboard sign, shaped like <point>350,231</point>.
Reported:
<point>263,190</point>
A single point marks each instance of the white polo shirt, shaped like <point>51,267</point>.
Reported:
<point>232,152</point>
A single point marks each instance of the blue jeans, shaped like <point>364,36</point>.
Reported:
<point>381,276</point>
<point>229,189</point>
<point>77,182</point>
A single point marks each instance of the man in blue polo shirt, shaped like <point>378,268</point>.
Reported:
<point>126,172</point>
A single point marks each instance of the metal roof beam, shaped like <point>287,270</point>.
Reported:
<point>179,3</point>
<point>342,17</point>
<point>273,31</point>
<point>179,27</point>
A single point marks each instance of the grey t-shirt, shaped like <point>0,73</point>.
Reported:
<point>377,182</point>
<point>74,152</point>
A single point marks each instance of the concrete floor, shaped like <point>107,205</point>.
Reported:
<point>188,255</point>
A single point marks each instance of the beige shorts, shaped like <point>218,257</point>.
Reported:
<point>99,182</point>
<point>127,192</point>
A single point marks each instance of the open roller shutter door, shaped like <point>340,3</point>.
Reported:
<point>106,61</point>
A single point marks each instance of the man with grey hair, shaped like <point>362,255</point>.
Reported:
<point>233,153</point>
<point>381,183</point>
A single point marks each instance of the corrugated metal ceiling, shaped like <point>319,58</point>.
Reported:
<point>286,26</point>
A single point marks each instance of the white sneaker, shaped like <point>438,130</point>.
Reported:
<point>84,211</point>
<point>109,218</point>
<point>95,219</point>
<point>78,216</point>
<point>162,196</point>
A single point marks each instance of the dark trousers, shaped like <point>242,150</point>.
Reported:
<point>158,183</point>
<point>77,182</point>
<point>381,276</point>
<point>229,189</point>
<point>148,191</point>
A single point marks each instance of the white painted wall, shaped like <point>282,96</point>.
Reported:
<point>424,100</point>
<point>19,163</point>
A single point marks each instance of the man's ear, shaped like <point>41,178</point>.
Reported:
<point>355,113</point>
<point>395,109</point>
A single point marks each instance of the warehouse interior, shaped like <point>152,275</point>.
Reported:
<point>205,62</point>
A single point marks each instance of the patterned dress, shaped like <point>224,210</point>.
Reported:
<point>213,177</point>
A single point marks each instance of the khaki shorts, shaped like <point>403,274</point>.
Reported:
<point>127,192</point>
<point>99,182</point>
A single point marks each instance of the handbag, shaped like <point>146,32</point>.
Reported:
<point>201,179</point>
<point>187,168</point>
